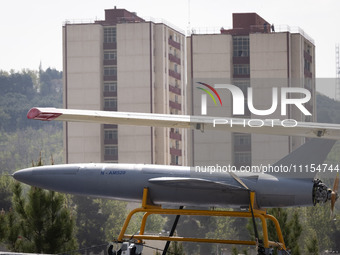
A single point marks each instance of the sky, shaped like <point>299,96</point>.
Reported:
<point>31,31</point>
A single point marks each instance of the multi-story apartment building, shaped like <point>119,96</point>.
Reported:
<point>251,54</point>
<point>125,63</point>
<point>128,64</point>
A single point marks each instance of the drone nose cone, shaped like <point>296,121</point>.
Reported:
<point>24,175</point>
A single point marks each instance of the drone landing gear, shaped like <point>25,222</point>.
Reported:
<point>264,247</point>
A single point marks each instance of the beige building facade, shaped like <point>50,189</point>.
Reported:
<point>250,55</point>
<point>124,63</point>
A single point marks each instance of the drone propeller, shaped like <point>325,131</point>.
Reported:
<point>236,178</point>
<point>334,194</point>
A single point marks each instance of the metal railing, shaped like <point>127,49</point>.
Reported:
<point>280,29</point>
<point>253,29</point>
<point>79,21</point>
<point>165,22</point>
<point>206,30</point>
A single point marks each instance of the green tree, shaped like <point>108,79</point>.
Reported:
<point>154,224</point>
<point>21,91</point>
<point>282,216</point>
<point>225,229</point>
<point>2,226</point>
<point>5,203</point>
<point>318,221</point>
<point>176,248</point>
<point>50,81</point>
<point>234,251</point>
<point>312,245</point>
<point>90,223</point>
<point>40,223</point>
<point>12,235</point>
<point>291,228</point>
<point>17,149</point>
<point>5,192</point>
<point>115,213</point>
<point>296,230</point>
<point>17,82</point>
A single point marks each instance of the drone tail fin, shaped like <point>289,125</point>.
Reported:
<point>307,160</point>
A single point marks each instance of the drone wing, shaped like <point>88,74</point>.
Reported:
<point>271,127</point>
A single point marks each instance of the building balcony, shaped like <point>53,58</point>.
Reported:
<point>110,93</point>
<point>110,46</point>
<point>110,78</point>
<point>110,141</point>
<point>175,90</point>
<point>174,164</point>
<point>110,62</point>
<point>242,147</point>
<point>174,59</point>
<point>175,152</point>
<point>307,56</point>
<point>110,109</point>
<point>175,74</point>
<point>110,157</point>
<point>241,76</point>
<point>110,126</point>
<point>308,73</point>
<point>175,105</point>
<point>241,60</point>
<point>175,136</point>
<point>174,44</point>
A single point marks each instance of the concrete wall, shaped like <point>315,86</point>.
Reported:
<point>135,88</point>
<point>276,60</point>
<point>211,57</point>
<point>83,52</point>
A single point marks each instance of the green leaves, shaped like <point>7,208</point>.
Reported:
<point>21,91</point>
<point>39,223</point>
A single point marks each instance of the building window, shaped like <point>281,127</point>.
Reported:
<point>308,84</point>
<point>109,35</point>
<point>110,71</point>
<point>241,46</point>
<point>111,134</point>
<point>110,103</point>
<point>111,150</point>
<point>174,160</point>
<point>110,87</point>
<point>242,139</point>
<point>242,69</point>
<point>308,119</point>
<point>307,65</point>
<point>243,84</point>
<point>110,55</point>
<point>242,158</point>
